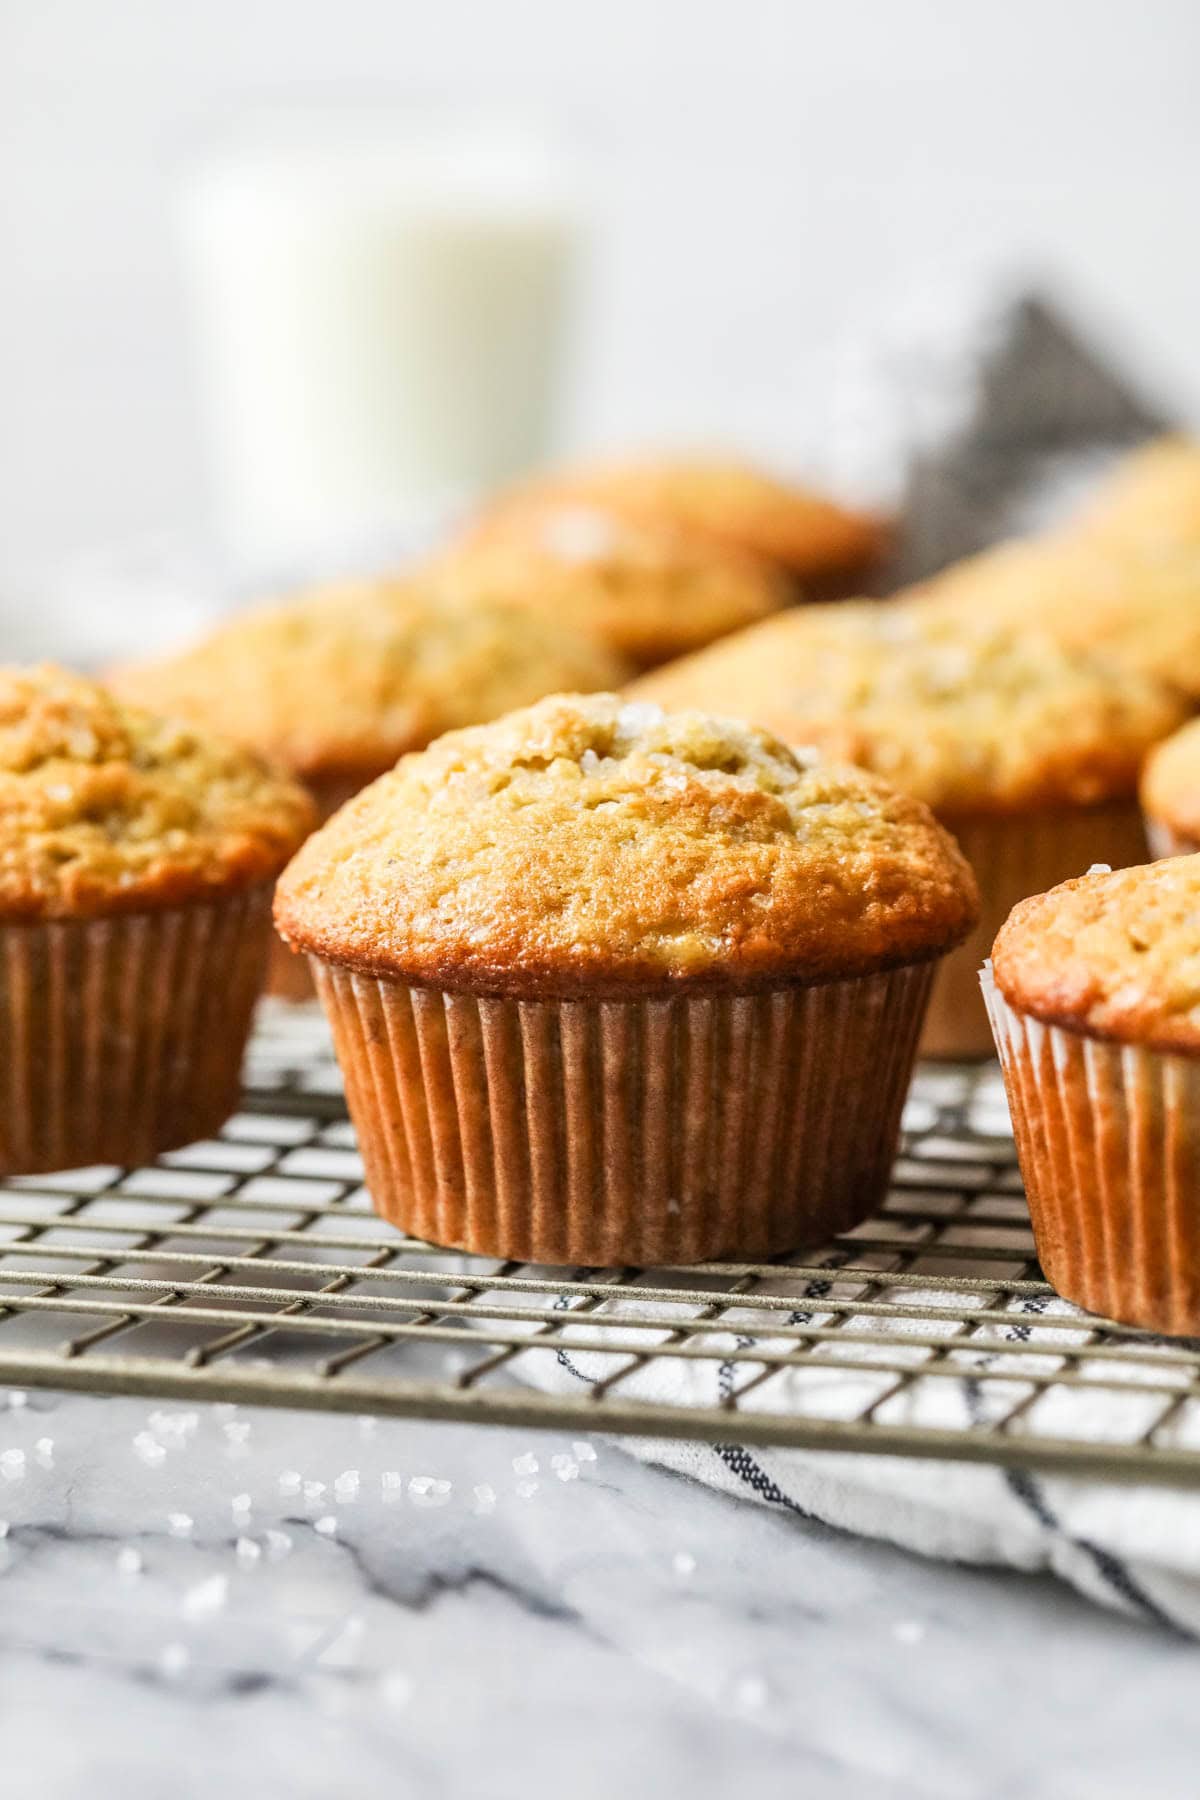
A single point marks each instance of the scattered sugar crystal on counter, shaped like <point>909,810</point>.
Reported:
<point>247,1551</point>
<point>237,1433</point>
<point>241,1503</point>
<point>279,1544</point>
<point>908,1631</point>
<point>427,1490</point>
<point>17,1397</point>
<point>174,1660</point>
<point>291,1481</point>
<point>526,1464</point>
<point>12,1464</point>
<point>4,1528</point>
<point>313,1490</point>
<point>683,1563</point>
<point>392,1483</point>
<point>527,1488</point>
<point>148,1449</point>
<point>485,1497</point>
<point>129,1560</point>
<point>346,1485</point>
<point>565,1467</point>
<point>583,1452</point>
<point>206,1598</point>
<point>327,1526</point>
<point>367,1424</point>
<point>43,1452</point>
<point>179,1524</point>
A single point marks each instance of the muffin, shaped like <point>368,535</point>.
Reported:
<point>1027,751</point>
<point>1094,993</point>
<point>1139,607</point>
<point>810,537</point>
<point>612,986</point>
<point>334,686</point>
<point>137,859</point>
<point>1151,500</point>
<point>648,591</point>
<point>1171,794</point>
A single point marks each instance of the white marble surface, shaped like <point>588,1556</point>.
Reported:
<point>619,1630</point>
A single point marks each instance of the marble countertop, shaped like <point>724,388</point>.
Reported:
<point>227,1601</point>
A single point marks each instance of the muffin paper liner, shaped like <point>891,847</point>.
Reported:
<point>596,1132</point>
<point>1108,1137</point>
<point>1013,857</point>
<point>123,1036</point>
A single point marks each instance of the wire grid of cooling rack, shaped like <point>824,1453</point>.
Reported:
<point>250,1268</point>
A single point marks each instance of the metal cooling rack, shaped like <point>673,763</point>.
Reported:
<point>250,1268</point>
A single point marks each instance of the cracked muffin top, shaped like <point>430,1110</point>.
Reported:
<point>589,845</point>
<point>726,501</point>
<point>969,717</point>
<point>337,684</point>
<point>1111,955</point>
<point>105,808</point>
<point>649,591</point>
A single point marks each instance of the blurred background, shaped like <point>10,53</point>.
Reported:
<point>746,190</point>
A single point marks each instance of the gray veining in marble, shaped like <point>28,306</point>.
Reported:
<point>457,1623</point>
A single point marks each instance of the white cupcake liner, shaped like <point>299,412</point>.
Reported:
<point>1108,1137</point>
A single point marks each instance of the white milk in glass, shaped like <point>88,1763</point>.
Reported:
<point>380,315</point>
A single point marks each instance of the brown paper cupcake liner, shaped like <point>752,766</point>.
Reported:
<point>1014,857</point>
<point>1108,1137</point>
<point>629,1131</point>
<point>123,1036</point>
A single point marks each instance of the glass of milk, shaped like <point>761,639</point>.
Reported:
<point>380,309</point>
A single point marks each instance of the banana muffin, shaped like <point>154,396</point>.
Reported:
<point>1150,501</point>
<point>137,860</point>
<point>609,985</point>
<point>1171,794</point>
<point>1027,751</point>
<point>810,537</point>
<point>337,684</point>
<point>1139,606</point>
<point>648,591</point>
<point>1094,993</point>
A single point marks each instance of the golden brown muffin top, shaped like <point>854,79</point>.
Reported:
<point>729,502</point>
<point>1111,955</point>
<point>648,591</point>
<point>1151,499</point>
<point>105,808</point>
<point>970,719</point>
<point>1171,782</point>
<point>588,845</point>
<point>337,684</point>
<point>1136,605</point>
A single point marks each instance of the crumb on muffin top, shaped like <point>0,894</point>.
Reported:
<point>336,684</point>
<point>650,591</point>
<point>1113,955</point>
<point>968,716</point>
<point>105,808</point>
<point>728,501</point>
<point>590,845</point>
